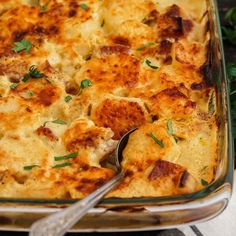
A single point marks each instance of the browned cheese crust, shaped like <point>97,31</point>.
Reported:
<point>76,75</point>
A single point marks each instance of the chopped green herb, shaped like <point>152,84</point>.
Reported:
<point>84,6</point>
<point>24,44</point>
<point>204,169</point>
<point>42,8</point>
<point>14,85</point>
<point>85,83</point>
<point>62,165</point>
<point>149,63</point>
<point>30,167</point>
<point>176,139</point>
<point>147,45</point>
<point>25,78</point>
<point>170,127</point>
<point>66,157</point>
<point>204,182</point>
<point>103,23</point>
<point>31,93</point>
<point>68,98</point>
<point>35,73</point>
<point>159,142</point>
<point>60,122</point>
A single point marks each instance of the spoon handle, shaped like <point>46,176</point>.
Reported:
<point>58,223</point>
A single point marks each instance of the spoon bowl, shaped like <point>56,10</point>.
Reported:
<point>58,223</point>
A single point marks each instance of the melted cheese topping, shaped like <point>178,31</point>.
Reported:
<point>145,62</point>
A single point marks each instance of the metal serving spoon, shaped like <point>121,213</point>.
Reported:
<point>58,223</point>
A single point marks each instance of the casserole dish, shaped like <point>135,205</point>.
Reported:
<point>152,213</point>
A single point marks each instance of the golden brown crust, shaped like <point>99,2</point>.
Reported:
<point>120,116</point>
<point>106,67</point>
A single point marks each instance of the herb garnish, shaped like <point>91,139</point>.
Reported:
<point>147,45</point>
<point>62,165</point>
<point>84,84</point>
<point>33,73</point>
<point>24,44</point>
<point>103,23</point>
<point>66,157</point>
<point>60,122</point>
<point>149,63</point>
<point>84,6</point>
<point>159,142</point>
<point>30,167</point>
<point>68,98</point>
<point>31,93</point>
<point>204,182</point>
<point>170,127</point>
<point>42,8</point>
<point>204,169</point>
<point>14,85</point>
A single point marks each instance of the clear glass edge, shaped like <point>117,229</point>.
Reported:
<point>178,199</point>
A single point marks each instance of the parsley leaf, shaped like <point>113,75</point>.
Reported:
<point>149,63</point>
<point>14,85</point>
<point>85,83</point>
<point>68,98</point>
<point>66,157</point>
<point>159,142</point>
<point>24,44</point>
<point>31,93</point>
<point>33,73</point>
<point>84,6</point>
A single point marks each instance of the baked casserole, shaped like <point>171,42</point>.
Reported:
<point>77,75</point>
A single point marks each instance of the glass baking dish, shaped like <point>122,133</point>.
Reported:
<point>152,213</point>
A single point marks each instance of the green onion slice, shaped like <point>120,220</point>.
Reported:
<point>60,122</point>
<point>62,165</point>
<point>159,142</point>
<point>66,157</point>
<point>30,167</point>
